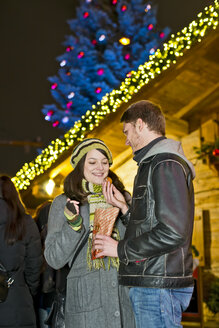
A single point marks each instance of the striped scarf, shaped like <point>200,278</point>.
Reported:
<point>96,200</point>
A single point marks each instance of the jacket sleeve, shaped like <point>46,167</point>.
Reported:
<point>125,217</point>
<point>33,256</point>
<point>61,241</point>
<point>172,212</point>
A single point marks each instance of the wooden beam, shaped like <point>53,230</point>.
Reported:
<point>196,101</point>
<point>175,126</point>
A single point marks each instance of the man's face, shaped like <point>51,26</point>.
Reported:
<point>132,136</point>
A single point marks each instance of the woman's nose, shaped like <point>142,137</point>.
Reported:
<point>100,166</point>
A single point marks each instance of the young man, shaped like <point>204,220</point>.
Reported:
<point>155,254</point>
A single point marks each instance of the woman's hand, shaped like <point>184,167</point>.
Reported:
<point>74,206</point>
<point>114,197</point>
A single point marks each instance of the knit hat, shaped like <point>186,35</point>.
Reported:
<point>85,146</point>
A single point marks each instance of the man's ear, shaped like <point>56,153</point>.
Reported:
<point>139,124</point>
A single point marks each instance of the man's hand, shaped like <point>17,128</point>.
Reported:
<point>107,245</point>
<point>114,197</point>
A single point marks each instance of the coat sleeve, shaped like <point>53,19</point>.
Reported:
<point>61,241</point>
<point>33,256</point>
<point>172,208</point>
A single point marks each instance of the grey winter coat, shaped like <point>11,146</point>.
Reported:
<point>94,298</point>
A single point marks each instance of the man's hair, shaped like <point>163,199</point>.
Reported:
<point>149,112</point>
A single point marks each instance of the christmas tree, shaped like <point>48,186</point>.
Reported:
<point>110,39</point>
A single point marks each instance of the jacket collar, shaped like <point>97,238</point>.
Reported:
<point>141,153</point>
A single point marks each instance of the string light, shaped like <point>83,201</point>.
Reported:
<point>124,41</point>
<point>158,62</point>
<point>63,63</point>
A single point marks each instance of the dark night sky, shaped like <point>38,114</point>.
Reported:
<point>32,32</point>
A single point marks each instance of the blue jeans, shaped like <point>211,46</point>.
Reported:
<point>159,308</point>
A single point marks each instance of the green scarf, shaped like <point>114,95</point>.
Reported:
<point>96,200</point>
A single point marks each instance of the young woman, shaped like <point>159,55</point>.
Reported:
<point>94,298</point>
<point>21,255</point>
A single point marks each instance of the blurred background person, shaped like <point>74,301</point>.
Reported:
<point>21,255</point>
<point>46,291</point>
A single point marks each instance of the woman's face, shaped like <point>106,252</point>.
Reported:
<point>96,167</point>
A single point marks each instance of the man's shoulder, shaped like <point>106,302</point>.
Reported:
<point>164,156</point>
<point>170,157</point>
<point>156,159</point>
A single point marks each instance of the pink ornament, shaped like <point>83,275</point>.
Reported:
<point>98,90</point>
<point>69,48</point>
<point>68,105</point>
<point>124,8</point>
<point>114,2</point>
<point>162,35</point>
<point>54,86</point>
<point>86,14</point>
<point>56,123</point>
<point>80,54</point>
<point>150,27</point>
<point>100,71</point>
<point>50,113</point>
<point>127,56</point>
<point>94,42</point>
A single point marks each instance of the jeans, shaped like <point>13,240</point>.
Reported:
<point>159,308</point>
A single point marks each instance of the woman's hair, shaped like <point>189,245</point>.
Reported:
<point>15,224</point>
<point>73,182</point>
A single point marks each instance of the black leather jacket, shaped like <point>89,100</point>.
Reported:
<point>156,250</point>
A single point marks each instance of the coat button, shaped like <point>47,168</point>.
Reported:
<point>117,314</point>
<point>114,284</point>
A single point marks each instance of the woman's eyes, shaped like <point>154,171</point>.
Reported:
<point>104,163</point>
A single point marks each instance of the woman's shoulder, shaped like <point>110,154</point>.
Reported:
<point>28,219</point>
<point>58,204</point>
<point>30,222</point>
<point>60,198</point>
